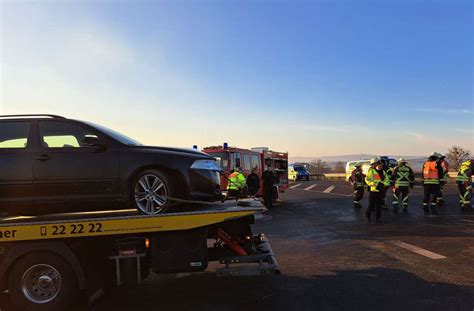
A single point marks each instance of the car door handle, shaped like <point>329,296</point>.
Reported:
<point>43,157</point>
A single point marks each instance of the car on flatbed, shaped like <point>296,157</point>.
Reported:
<point>54,164</point>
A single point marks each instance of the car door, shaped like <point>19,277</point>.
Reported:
<point>68,171</point>
<point>16,173</point>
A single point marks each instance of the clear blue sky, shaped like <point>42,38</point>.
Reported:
<point>312,78</point>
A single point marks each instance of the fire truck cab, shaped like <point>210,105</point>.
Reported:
<point>251,159</point>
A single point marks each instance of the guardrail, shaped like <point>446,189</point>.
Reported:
<point>342,176</point>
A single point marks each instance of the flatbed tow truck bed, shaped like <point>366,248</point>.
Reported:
<point>50,262</point>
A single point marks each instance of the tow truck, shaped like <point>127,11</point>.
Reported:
<point>51,262</point>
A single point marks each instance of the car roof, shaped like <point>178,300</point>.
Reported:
<point>30,116</point>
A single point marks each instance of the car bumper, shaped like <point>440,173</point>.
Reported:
<point>205,185</point>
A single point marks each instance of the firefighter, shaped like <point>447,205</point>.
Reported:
<point>402,179</point>
<point>236,183</point>
<point>358,180</point>
<point>464,181</point>
<point>376,179</point>
<point>388,171</point>
<point>268,183</point>
<point>432,175</point>
<point>445,166</point>
<point>253,182</point>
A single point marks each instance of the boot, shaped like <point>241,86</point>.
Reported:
<point>405,209</point>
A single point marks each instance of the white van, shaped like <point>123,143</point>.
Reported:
<point>350,166</point>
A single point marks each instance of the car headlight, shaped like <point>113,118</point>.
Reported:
<point>209,165</point>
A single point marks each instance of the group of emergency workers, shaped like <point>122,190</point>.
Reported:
<point>240,186</point>
<point>381,177</point>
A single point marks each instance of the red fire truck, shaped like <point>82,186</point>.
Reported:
<point>249,159</point>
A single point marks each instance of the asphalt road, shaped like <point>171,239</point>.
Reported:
<point>332,259</point>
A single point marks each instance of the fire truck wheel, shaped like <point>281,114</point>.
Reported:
<point>42,281</point>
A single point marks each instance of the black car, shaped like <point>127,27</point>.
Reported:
<point>52,164</point>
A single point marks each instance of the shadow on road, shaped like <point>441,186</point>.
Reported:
<point>372,289</point>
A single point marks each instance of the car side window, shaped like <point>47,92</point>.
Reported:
<point>54,134</point>
<point>14,135</point>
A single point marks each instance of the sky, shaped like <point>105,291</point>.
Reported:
<point>313,78</point>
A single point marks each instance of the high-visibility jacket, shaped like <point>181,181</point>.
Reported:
<point>432,173</point>
<point>374,178</point>
<point>465,172</point>
<point>402,176</point>
<point>236,181</point>
<point>357,177</point>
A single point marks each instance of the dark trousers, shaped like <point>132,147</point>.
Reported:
<point>384,194</point>
<point>268,198</point>
<point>375,203</point>
<point>440,198</point>
<point>400,195</point>
<point>358,196</point>
<point>465,195</point>
<point>430,198</point>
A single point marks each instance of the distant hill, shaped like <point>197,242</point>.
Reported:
<point>347,158</point>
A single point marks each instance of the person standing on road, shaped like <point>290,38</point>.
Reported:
<point>402,179</point>
<point>268,183</point>
<point>388,171</point>
<point>236,183</point>
<point>375,179</point>
<point>358,180</point>
<point>464,181</point>
<point>445,166</point>
<point>432,175</point>
<point>253,182</point>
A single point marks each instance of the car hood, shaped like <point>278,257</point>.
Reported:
<point>178,150</point>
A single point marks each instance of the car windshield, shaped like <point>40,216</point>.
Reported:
<point>300,168</point>
<point>115,135</point>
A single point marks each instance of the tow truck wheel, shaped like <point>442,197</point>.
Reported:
<point>150,189</point>
<point>42,281</point>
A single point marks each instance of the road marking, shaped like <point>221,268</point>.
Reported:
<point>294,186</point>
<point>310,187</point>
<point>418,250</point>
<point>317,191</point>
<point>469,221</point>
<point>329,189</point>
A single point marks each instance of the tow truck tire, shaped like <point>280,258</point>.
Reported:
<point>34,281</point>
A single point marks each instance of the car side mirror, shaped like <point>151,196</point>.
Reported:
<point>92,141</point>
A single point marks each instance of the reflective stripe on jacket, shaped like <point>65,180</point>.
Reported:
<point>403,176</point>
<point>236,181</point>
<point>431,173</point>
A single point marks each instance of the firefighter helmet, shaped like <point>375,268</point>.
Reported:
<point>374,161</point>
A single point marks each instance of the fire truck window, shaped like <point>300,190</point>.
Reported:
<point>222,158</point>
<point>255,162</point>
<point>234,160</point>
<point>246,162</point>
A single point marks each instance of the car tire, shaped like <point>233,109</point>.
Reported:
<point>150,201</point>
<point>42,281</point>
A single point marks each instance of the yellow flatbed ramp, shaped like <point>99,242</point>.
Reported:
<point>89,224</point>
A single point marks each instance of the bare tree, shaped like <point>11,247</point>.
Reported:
<point>456,155</point>
<point>318,166</point>
<point>339,168</point>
